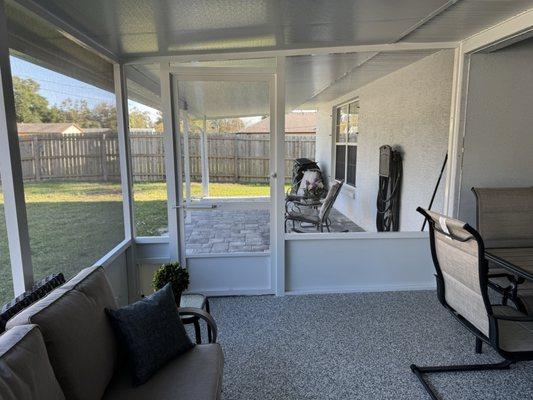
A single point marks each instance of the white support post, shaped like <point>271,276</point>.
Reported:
<point>126,176</point>
<point>173,166</point>
<point>124,149</point>
<point>204,155</point>
<point>186,156</point>
<point>277,146</point>
<point>455,140</point>
<point>11,172</point>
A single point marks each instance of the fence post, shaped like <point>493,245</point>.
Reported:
<point>36,157</point>
<point>236,156</point>
<point>103,157</point>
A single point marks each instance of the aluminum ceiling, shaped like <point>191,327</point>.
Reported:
<point>466,18</point>
<point>310,80</point>
<point>216,99</point>
<point>160,27</point>
<point>133,28</point>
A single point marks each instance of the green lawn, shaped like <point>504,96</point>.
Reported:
<point>73,224</point>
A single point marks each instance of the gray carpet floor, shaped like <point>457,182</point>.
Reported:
<point>352,346</point>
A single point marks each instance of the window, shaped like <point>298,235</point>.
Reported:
<point>346,131</point>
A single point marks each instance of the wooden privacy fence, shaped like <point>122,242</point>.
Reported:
<point>232,157</point>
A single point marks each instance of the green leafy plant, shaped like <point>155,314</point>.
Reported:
<point>176,275</point>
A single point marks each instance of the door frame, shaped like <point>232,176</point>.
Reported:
<point>170,76</point>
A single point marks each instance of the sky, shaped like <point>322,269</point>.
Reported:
<point>56,87</point>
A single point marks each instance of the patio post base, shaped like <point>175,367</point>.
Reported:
<point>420,371</point>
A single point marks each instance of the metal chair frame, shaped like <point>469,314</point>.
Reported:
<point>318,222</point>
<point>493,338</point>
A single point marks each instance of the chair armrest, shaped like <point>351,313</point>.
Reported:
<point>513,318</point>
<point>502,275</point>
<point>210,321</point>
<point>294,197</point>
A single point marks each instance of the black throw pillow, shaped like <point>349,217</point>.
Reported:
<point>151,333</point>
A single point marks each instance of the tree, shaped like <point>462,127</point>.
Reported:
<point>106,115</point>
<point>30,105</point>
<point>225,125</point>
<point>140,119</point>
<point>158,126</point>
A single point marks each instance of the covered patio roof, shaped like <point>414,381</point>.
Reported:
<point>333,46</point>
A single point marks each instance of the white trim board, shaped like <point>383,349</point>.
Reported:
<point>356,236</point>
<point>365,289</point>
<point>213,55</point>
<point>516,26</point>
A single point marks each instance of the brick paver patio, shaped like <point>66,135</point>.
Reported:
<point>217,231</point>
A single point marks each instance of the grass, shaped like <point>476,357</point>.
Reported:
<point>73,224</point>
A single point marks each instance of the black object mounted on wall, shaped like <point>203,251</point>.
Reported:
<point>389,190</point>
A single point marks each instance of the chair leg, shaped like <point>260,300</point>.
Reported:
<point>197,331</point>
<point>209,333</point>
<point>420,371</point>
<point>479,345</point>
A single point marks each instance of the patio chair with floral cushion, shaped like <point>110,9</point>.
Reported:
<point>314,212</point>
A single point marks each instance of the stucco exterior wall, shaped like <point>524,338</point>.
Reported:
<point>499,123</point>
<point>409,108</point>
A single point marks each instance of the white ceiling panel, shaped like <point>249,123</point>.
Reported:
<point>159,27</point>
<point>218,99</point>
<point>376,67</point>
<point>466,18</point>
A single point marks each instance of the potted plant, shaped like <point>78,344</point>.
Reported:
<point>176,275</point>
<point>314,190</point>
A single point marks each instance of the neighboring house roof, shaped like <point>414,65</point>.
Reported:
<point>296,122</point>
<point>96,130</point>
<point>47,128</point>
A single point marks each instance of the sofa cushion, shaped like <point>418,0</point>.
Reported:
<point>78,335</point>
<point>25,371</point>
<point>196,375</point>
<point>151,333</point>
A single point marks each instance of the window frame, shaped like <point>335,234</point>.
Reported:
<point>346,143</point>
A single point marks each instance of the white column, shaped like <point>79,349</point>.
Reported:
<point>204,155</point>
<point>124,149</point>
<point>277,146</point>
<point>172,166</point>
<point>11,172</point>
<point>126,176</point>
<point>455,139</point>
<point>186,155</point>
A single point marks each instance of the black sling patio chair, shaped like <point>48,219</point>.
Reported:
<point>462,288</point>
<point>321,218</point>
<point>504,218</point>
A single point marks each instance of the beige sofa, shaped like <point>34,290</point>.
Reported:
<point>63,347</point>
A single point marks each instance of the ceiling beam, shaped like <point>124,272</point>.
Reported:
<point>213,55</point>
<point>515,27</point>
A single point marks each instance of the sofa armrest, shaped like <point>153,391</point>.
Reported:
<point>197,312</point>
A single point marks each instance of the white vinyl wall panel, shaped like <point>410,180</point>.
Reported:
<point>225,275</point>
<point>117,273</point>
<point>390,261</point>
